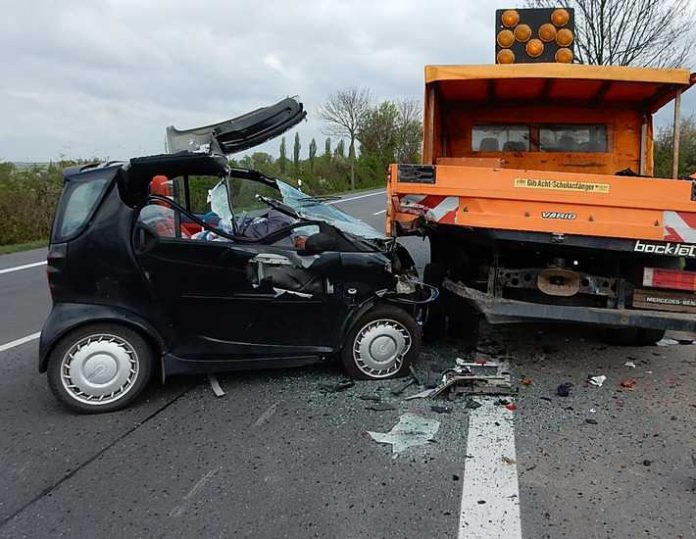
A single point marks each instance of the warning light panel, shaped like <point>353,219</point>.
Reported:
<point>534,35</point>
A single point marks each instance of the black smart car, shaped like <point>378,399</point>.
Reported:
<point>176,264</point>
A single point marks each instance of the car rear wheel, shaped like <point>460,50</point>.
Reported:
<point>99,368</point>
<point>382,344</point>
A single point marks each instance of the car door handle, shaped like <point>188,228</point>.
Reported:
<point>146,239</point>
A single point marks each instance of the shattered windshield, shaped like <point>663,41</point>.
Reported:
<point>315,209</point>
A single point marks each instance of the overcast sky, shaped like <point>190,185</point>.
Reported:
<point>100,78</point>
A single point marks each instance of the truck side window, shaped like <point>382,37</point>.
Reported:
<point>500,138</point>
<point>573,138</point>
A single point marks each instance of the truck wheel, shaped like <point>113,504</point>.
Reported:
<point>633,336</point>
<point>382,344</point>
<point>99,368</point>
<point>435,326</point>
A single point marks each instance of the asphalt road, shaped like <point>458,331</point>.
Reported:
<point>279,457</point>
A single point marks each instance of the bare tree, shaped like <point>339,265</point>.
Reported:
<point>653,33</point>
<point>345,112</point>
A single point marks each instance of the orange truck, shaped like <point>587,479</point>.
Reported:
<point>537,191</point>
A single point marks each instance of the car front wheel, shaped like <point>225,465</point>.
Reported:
<point>382,344</point>
<point>99,368</point>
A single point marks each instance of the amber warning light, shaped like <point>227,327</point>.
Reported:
<point>534,35</point>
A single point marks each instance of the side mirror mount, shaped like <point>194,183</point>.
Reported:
<point>319,242</point>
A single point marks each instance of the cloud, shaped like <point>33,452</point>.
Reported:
<point>104,78</point>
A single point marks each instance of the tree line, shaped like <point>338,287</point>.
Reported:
<point>363,138</point>
<point>382,133</point>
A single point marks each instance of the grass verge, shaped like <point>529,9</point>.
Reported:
<point>37,244</point>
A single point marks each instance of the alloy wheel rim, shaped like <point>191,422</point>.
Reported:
<point>380,346</point>
<point>99,369</point>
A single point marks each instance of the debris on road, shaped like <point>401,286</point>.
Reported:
<point>628,383</point>
<point>630,364</point>
<point>508,460</point>
<point>563,390</point>
<point>511,406</point>
<point>380,407</point>
<point>215,385</point>
<point>527,381</point>
<point>597,380</point>
<point>439,409</point>
<point>411,431</point>
<point>373,398</point>
<point>667,342</point>
<point>399,390</point>
<point>337,387</point>
<point>471,404</point>
<point>422,395</point>
<point>475,379</point>
<point>591,421</point>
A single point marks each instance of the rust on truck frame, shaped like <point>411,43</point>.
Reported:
<point>537,195</point>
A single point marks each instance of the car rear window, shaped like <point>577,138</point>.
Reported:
<point>76,206</point>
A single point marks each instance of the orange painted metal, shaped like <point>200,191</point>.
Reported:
<point>539,201</point>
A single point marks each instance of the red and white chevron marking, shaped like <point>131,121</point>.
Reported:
<point>679,226</point>
<point>440,209</point>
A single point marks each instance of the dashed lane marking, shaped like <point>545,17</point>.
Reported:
<point>25,266</point>
<point>19,342</point>
<point>380,212</point>
<point>490,490</point>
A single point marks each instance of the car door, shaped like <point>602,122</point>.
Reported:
<point>227,300</point>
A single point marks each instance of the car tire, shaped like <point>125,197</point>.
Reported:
<point>112,364</point>
<point>382,344</point>
<point>633,336</point>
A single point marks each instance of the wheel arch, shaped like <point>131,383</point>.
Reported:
<point>68,317</point>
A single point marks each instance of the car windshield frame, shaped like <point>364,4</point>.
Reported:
<point>317,209</point>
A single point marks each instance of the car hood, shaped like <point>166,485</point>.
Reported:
<point>316,209</point>
<point>240,133</point>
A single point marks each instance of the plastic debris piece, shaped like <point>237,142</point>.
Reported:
<point>647,462</point>
<point>215,385</point>
<point>337,387</point>
<point>471,404</point>
<point>480,361</point>
<point>399,390</point>
<point>441,409</point>
<point>508,460</point>
<point>563,390</point>
<point>502,402</point>
<point>527,381</point>
<point>667,342</point>
<point>373,398</point>
<point>628,383</point>
<point>630,364</point>
<point>597,380</point>
<point>422,395</point>
<point>380,407</point>
<point>591,421</point>
<point>593,411</point>
<point>512,407</point>
<point>411,431</point>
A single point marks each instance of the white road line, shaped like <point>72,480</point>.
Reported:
<point>20,342</point>
<point>179,509</point>
<point>357,197</point>
<point>490,490</point>
<point>25,266</point>
<point>380,212</point>
<point>266,415</point>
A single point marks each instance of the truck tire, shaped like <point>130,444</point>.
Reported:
<point>99,368</point>
<point>633,336</point>
<point>381,344</point>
